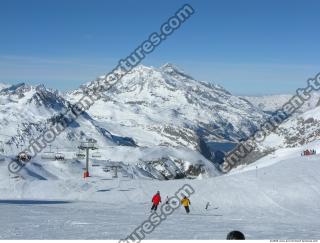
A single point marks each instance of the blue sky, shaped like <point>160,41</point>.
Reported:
<point>250,47</point>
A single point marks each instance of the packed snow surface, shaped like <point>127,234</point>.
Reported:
<point>278,197</point>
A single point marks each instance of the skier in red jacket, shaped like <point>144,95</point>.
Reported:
<point>155,200</point>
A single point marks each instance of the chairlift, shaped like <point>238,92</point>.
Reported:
<point>59,156</point>
<point>125,174</point>
<point>106,169</point>
<point>96,155</point>
<point>23,157</point>
<point>80,155</point>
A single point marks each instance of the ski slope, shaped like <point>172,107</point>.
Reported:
<point>278,197</point>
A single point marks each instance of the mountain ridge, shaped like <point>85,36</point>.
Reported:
<point>149,108</point>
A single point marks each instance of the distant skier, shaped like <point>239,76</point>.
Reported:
<point>186,203</point>
<point>156,199</point>
<point>167,200</point>
<point>207,205</point>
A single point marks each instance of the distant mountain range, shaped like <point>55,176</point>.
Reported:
<point>161,121</point>
<point>271,103</point>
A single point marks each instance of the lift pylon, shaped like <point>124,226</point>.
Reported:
<point>88,145</point>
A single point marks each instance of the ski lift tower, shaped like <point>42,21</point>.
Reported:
<point>87,145</point>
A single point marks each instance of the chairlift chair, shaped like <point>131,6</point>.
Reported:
<point>80,155</point>
<point>125,174</point>
<point>106,169</point>
<point>96,155</point>
<point>24,157</point>
<point>59,156</point>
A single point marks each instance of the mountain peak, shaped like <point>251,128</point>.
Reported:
<point>4,85</point>
<point>16,88</point>
<point>170,67</point>
<point>173,70</point>
<point>143,67</point>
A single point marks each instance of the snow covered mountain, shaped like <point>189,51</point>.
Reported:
<point>27,111</point>
<point>300,129</point>
<point>272,103</point>
<point>296,131</point>
<point>268,103</point>
<point>167,107</point>
<point>161,121</point>
<point>163,110</point>
<point>4,85</point>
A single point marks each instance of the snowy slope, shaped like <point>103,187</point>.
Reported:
<point>278,197</point>
<point>4,85</point>
<point>269,103</point>
<point>298,130</point>
<point>272,103</point>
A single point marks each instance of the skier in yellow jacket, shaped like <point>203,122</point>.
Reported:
<point>186,203</point>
